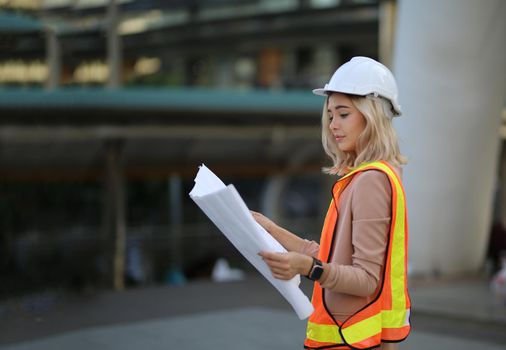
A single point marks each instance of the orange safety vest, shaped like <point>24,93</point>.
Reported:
<point>386,318</point>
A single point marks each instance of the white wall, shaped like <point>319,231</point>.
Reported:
<point>450,63</point>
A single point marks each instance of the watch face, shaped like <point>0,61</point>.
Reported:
<point>317,272</point>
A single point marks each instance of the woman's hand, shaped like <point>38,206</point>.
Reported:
<point>264,221</point>
<point>285,266</point>
<point>288,240</point>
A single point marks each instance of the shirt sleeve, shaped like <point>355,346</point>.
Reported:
<point>310,248</point>
<point>371,210</point>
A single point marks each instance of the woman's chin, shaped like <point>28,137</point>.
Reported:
<point>344,148</point>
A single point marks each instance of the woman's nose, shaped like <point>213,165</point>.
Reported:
<point>334,124</point>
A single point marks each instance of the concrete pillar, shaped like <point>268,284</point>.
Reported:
<point>324,63</point>
<point>175,193</point>
<point>53,59</point>
<point>387,18</point>
<point>114,48</point>
<point>271,199</point>
<point>450,62</point>
<point>289,66</point>
<point>502,189</point>
<point>115,214</point>
<point>224,71</point>
<point>304,4</point>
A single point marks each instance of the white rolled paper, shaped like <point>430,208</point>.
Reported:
<point>226,209</point>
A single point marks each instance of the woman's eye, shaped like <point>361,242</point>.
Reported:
<point>344,115</point>
<point>330,118</point>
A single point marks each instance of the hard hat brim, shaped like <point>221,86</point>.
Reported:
<point>320,92</point>
<point>325,92</point>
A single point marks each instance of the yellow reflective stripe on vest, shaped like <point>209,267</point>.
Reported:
<point>395,318</point>
<point>397,259</point>
<point>359,331</point>
<point>362,330</point>
<point>323,333</point>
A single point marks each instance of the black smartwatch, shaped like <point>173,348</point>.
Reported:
<point>316,270</point>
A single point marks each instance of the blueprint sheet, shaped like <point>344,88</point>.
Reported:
<point>226,209</point>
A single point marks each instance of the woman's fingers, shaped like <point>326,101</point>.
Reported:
<point>273,256</point>
<point>275,259</point>
<point>286,265</point>
<point>279,265</point>
<point>280,272</point>
<point>281,276</point>
<point>265,222</point>
<point>258,216</point>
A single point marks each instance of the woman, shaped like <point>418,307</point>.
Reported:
<point>359,268</point>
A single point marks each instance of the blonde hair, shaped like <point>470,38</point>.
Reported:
<point>378,140</point>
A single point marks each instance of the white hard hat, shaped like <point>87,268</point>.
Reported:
<point>363,76</point>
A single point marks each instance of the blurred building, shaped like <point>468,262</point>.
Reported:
<point>108,108</point>
<point>213,43</point>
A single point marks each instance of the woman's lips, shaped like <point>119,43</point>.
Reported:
<point>339,138</point>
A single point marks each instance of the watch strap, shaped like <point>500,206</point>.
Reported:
<point>316,270</point>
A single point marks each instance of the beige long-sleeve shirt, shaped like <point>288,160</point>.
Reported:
<point>353,276</point>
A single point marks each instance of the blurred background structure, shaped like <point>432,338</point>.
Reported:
<point>108,107</point>
<point>452,77</point>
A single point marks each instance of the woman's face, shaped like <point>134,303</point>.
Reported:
<point>346,122</point>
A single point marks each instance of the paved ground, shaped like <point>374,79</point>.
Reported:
<point>248,314</point>
<point>459,299</point>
